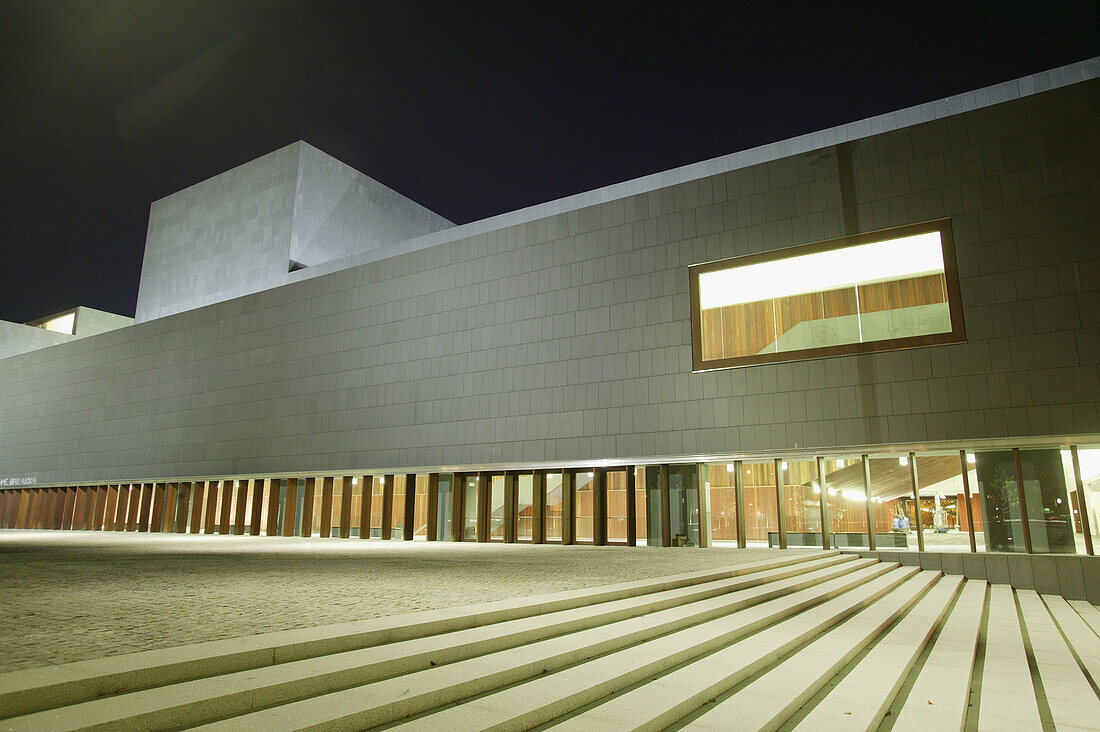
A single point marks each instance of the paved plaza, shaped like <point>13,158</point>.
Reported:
<point>70,596</point>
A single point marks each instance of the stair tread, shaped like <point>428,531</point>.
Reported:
<point>668,698</point>
<point>394,699</point>
<point>548,697</point>
<point>1086,644</point>
<point>941,694</point>
<point>1008,696</point>
<point>1089,613</point>
<point>1072,702</point>
<point>880,673</point>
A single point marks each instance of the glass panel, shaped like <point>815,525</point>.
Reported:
<point>803,502</point>
<point>246,486</point>
<point>616,506</point>
<point>654,510</point>
<point>397,508</point>
<point>318,499</point>
<point>1000,501</point>
<point>585,507</point>
<point>683,498</point>
<point>443,516</point>
<point>761,511</point>
<point>1049,511</point>
<point>420,508</point>
<point>723,503</point>
<point>553,507</point>
<point>847,501</point>
<point>496,508</point>
<point>892,499</point>
<point>469,527</point>
<point>525,507</point>
<point>875,287</point>
<point>943,504</point>
<point>641,522</point>
<point>1085,507</point>
<point>377,494</point>
<point>355,491</point>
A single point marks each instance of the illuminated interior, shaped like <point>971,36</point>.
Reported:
<point>889,289</point>
<point>60,324</point>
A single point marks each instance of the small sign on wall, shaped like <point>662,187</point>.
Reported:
<point>21,480</point>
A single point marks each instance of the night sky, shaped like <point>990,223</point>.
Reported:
<point>469,108</point>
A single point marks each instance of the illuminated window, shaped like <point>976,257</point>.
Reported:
<point>871,292</point>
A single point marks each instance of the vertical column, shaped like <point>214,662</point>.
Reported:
<point>1081,500</point>
<point>47,508</point>
<point>410,507</point>
<point>241,508</point>
<point>34,508</point>
<point>133,505</point>
<point>24,506</point>
<point>702,482</point>
<point>79,509</point>
<point>326,506</point>
<point>870,506</point>
<point>224,510</point>
<point>739,501</point>
<point>458,506</point>
<point>121,507</point>
<point>484,481</point>
<point>631,506</point>
<point>780,503</point>
<point>568,507</point>
<point>308,495</point>
<point>183,503</point>
<point>291,506</point>
<point>1023,501</point>
<point>156,518</point>
<point>256,519</point>
<point>198,491</point>
<point>210,517</point>
<point>347,492</point>
<point>666,508</point>
<point>538,496</point>
<point>109,510</point>
<point>274,488</point>
<point>599,507</point>
<point>146,510</point>
<point>387,506</point>
<point>171,490</point>
<point>433,506</point>
<point>826,518</point>
<point>367,482</point>
<point>509,507</point>
<point>5,505</point>
<point>970,506</point>
<point>916,500</point>
<point>100,507</point>
<point>68,505</point>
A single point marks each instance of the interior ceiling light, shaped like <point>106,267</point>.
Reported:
<point>883,261</point>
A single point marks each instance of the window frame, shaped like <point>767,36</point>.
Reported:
<point>957,334</point>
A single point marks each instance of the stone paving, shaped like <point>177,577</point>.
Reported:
<point>71,596</point>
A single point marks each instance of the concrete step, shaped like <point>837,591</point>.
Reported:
<point>552,696</point>
<point>1069,696</point>
<point>1084,643</point>
<point>664,700</point>
<point>865,693</point>
<point>30,690</point>
<point>202,700</point>
<point>1088,613</point>
<point>717,621</point>
<point>1007,694</point>
<point>940,694</point>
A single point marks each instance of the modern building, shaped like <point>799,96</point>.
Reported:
<point>883,335</point>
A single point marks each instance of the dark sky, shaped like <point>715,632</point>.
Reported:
<point>470,108</point>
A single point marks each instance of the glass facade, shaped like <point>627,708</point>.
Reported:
<point>525,507</point>
<point>585,508</point>
<point>554,507</point>
<point>469,508</point>
<point>617,511</point>
<point>496,508</point>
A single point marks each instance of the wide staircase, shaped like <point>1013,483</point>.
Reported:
<point>804,641</point>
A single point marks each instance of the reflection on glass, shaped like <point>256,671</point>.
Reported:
<point>944,512</point>
<point>553,507</point>
<point>584,504</point>
<point>496,508</point>
<point>469,526</point>
<point>683,497</point>
<point>376,498</point>
<point>803,503</point>
<point>1086,506</point>
<point>1049,511</point>
<point>761,513</point>
<point>420,508</point>
<point>847,501</point>
<point>443,513</point>
<point>616,506</point>
<point>654,510</point>
<point>892,499</point>
<point>723,503</point>
<point>641,520</point>
<point>525,507</point>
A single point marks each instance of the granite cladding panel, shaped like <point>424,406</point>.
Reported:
<point>568,339</point>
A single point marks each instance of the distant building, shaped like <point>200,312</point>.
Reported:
<point>882,333</point>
